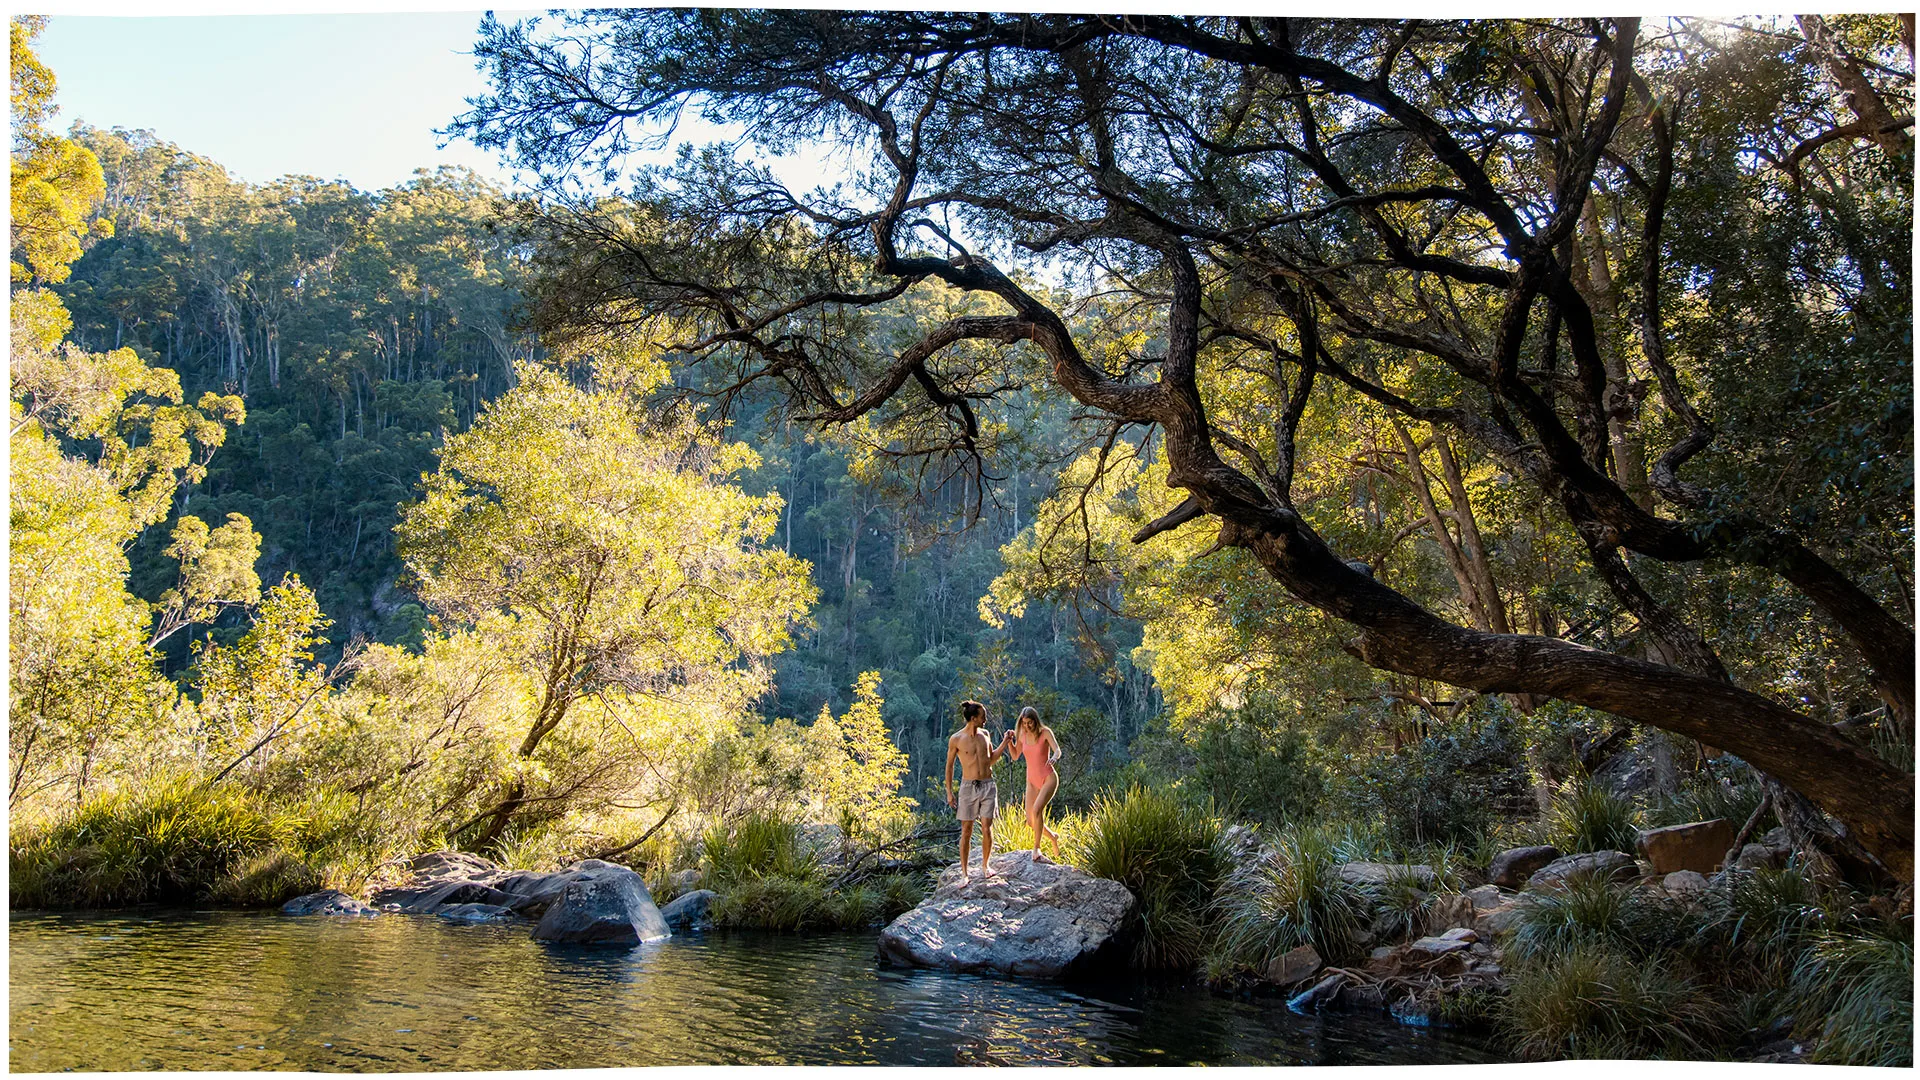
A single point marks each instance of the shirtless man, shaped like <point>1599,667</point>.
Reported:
<point>978,801</point>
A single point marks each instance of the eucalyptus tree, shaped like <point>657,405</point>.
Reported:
<point>608,557</point>
<point>1478,226</point>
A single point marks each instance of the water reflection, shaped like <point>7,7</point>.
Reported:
<point>223,990</point>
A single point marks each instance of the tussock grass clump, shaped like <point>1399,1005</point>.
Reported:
<point>778,902</point>
<point>760,846</point>
<point>1290,896</point>
<point>1591,910</point>
<point>1770,915</point>
<point>1595,1001</point>
<point>179,840</point>
<point>1588,817</point>
<point>1168,854</point>
<point>1859,989</point>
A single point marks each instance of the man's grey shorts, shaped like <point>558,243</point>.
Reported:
<point>978,801</point>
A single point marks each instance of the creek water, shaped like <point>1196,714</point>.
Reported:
<point>241,990</point>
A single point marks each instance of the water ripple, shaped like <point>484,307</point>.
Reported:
<point>227,990</point>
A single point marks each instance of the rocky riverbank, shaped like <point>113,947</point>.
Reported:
<point>589,902</point>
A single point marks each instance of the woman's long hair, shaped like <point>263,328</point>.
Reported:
<point>1030,713</point>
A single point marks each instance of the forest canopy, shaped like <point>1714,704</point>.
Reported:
<point>1276,404</point>
<point>1582,266</point>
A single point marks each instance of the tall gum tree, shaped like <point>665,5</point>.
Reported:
<point>1388,209</point>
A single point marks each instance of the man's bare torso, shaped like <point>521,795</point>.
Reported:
<point>972,748</point>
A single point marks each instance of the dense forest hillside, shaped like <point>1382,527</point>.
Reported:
<point>361,328</point>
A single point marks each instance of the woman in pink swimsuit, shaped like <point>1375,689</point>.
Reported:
<point>1036,743</point>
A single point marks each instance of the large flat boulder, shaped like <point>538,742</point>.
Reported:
<point>1030,917</point>
<point>1511,868</point>
<point>1698,846</point>
<point>604,904</point>
<point>1612,865</point>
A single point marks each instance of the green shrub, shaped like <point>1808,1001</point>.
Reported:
<point>1588,817</point>
<point>170,842</point>
<point>1595,1001</point>
<point>178,840</point>
<point>1858,992</point>
<point>1168,854</point>
<point>779,902</point>
<point>772,902</point>
<point>267,880</point>
<point>1291,896</point>
<point>900,893</point>
<point>760,846</point>
<point>1450,787</point>
<point>1256,767</point>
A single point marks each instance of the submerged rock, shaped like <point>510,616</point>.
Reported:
<point>605,904</point>
<point>1031,917</point>
<point>1511,868</point>
<point>690,911</point>
<point>327,902</point>
<point>475,913</point>
<point>1698,846</point>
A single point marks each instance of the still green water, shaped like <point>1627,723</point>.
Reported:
<point>229,990</point>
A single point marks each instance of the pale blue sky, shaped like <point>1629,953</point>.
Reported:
<point>352,96</point>
<point>355,97</point>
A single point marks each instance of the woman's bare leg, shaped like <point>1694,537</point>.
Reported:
<point>1031,805</point>
<point>1039,800</point>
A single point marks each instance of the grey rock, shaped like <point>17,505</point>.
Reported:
<point>690,911</point>
<point>1641,769</point>
<point>1684,883</point>
<point>1486,897</point>
<point>604,904</point>
<point>1411,1012</point>
<point>1317,995</point>
<point>532,893</point>
<point>1451,910</point>
<point>1375,873</point>
<point>1241,843</point>
<point>328,902</point>
<point>1032,917</point>
<point>1499,920</point>
<point>1295,965</point>
<point>684,880</point>
<point>428,900</point>
<point>1439,946</point>
<point>1777,839</point>
<point>1511,868</point>
<point>1613,865</point>
<point>1756,856</point>
<point>443,866</point>
<point>474,913</point>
